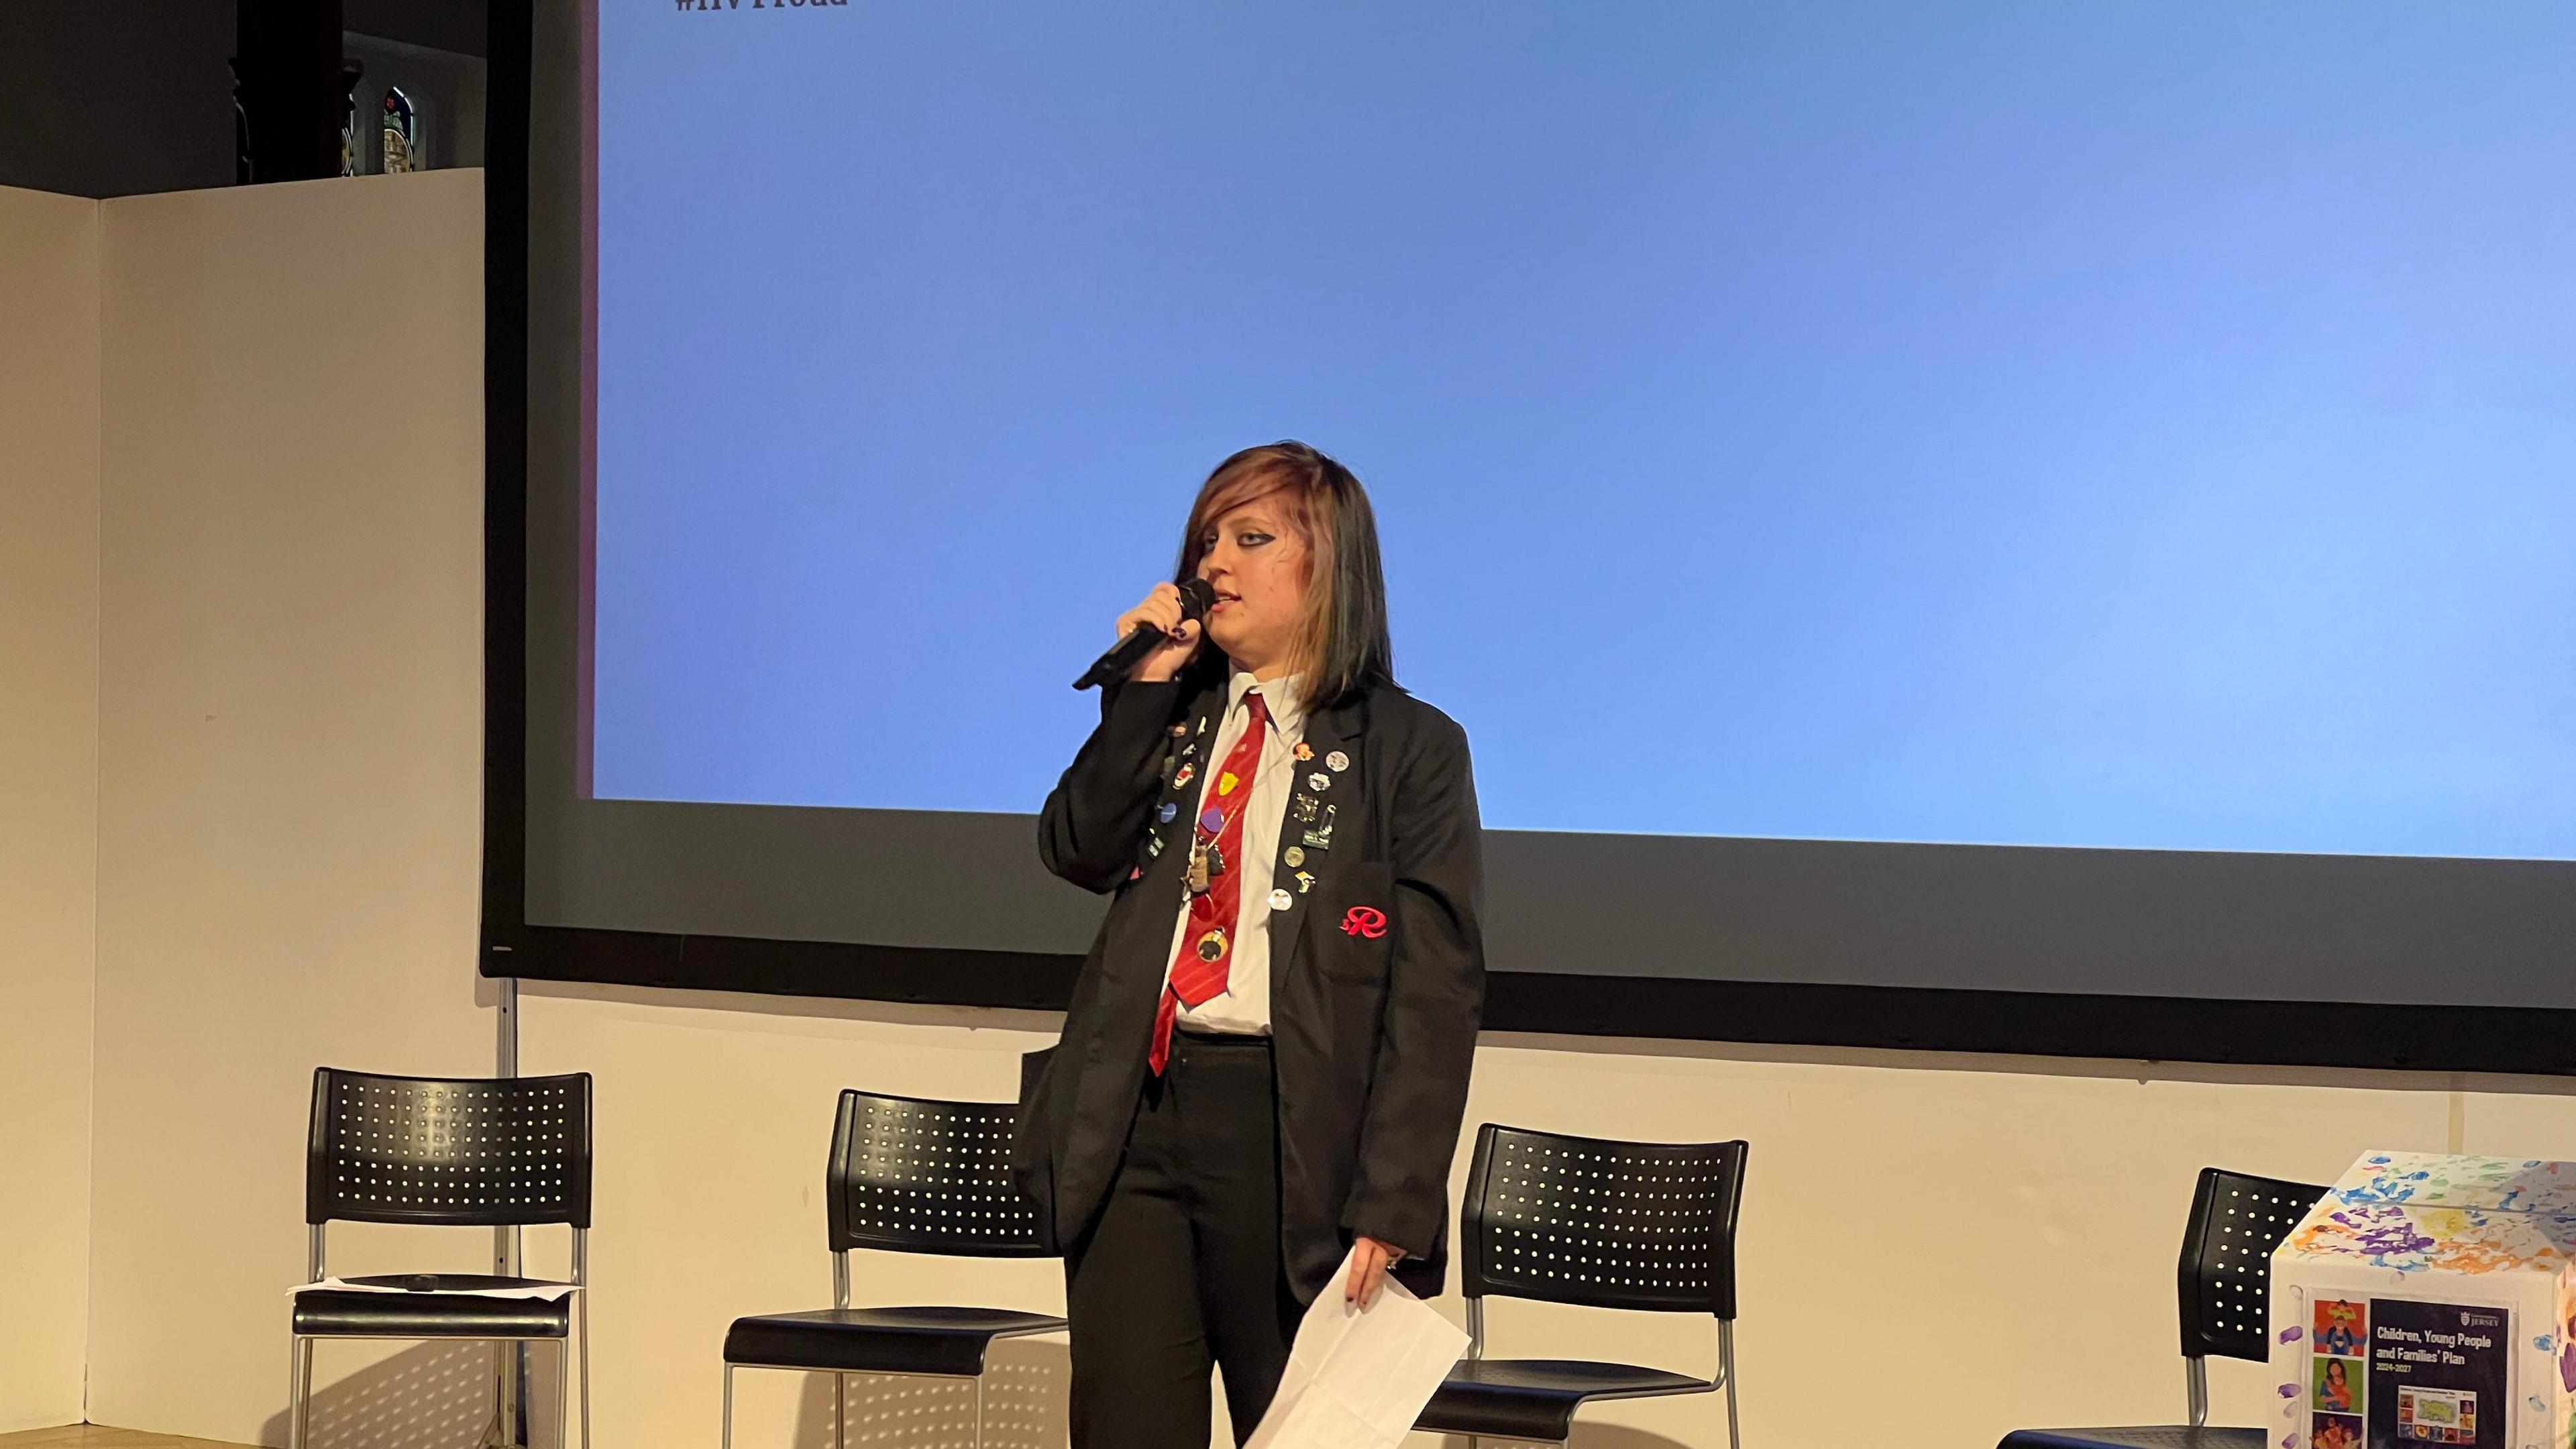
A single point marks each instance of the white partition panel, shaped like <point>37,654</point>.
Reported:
<point>48,792</point>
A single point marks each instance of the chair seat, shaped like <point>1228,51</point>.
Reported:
<point>2151,1436</point>
<point>438,1306</point>
<point>926,1340</point>
<point>1535,1398</point>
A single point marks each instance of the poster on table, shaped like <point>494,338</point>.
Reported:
<point>2429,1300</point>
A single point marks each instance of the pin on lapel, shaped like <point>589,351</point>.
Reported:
<point>1171,809</point>
<point>1184,777</point>
<point>1303,752</point>
<point>1319,782</point>
<point>1280,900</point>
<point>1294,856</point>
<point>1319,836</point>
<point>1305,882</point>
<point>1337,762</point>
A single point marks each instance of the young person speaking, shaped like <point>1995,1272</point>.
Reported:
<point>1265,1060</point>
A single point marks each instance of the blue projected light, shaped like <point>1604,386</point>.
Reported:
<point>2112,425</point>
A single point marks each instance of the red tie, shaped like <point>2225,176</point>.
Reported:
<point>1207,946</point>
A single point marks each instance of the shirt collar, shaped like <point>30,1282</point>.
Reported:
<point>1280,695</point>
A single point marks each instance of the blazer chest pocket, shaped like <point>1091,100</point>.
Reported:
<point>1354,933</point>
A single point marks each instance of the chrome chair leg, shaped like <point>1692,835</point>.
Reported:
<point>582,1308</point>
<point>299,1375</point>
<point>510,1424</point>
<point>728,1407</point>
<point>979,1411</point>
<point>840,1410</point>
<point>1726,1366</point>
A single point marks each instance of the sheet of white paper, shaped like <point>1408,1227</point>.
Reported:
<point>342,1285</point>
<point>1357,1379</point>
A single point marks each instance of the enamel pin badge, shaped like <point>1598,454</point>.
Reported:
<point>1319,836</point>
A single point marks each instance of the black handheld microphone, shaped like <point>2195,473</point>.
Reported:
<point>1144,639</point>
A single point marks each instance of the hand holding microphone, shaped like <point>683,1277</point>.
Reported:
<point>1157,638</point>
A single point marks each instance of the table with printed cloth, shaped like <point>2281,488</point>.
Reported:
<point>2429,1300</point>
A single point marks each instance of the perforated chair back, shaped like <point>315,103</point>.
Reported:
<point>475,1151</point>
<point>2226,1270</point>
<point>916,1176</point>
<point>1611,1224</point>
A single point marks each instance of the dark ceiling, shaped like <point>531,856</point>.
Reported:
<point>117,97</point>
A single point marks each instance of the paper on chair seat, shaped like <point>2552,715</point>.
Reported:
<point>1357,1379</point>
<point>547,1291</point>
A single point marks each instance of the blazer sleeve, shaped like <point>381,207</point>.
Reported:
<point>1435,1001</point>
<point>1088,831</point>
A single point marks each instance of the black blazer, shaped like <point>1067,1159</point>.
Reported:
<point>1377,968</point>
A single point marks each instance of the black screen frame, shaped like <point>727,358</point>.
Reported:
<point>2506,1039</point>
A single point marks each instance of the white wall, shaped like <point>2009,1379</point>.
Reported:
<point>288,840</point>
<point>48,793</point>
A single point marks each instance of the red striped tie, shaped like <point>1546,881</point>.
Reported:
<point>1207,947</point>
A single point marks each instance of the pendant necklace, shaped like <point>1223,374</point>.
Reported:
<point>1207,862</point>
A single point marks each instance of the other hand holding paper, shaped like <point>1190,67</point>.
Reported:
<point>1358,1376</point>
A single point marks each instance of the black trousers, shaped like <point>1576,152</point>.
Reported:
<point>1182,1269</point>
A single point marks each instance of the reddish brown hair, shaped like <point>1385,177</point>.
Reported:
<point>1341,645</point>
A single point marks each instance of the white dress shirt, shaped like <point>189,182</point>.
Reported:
<point>1244,1006</point>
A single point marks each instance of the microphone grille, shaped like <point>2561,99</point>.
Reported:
<point>1197,597</point>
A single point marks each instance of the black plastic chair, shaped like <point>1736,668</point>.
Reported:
<point>907,1176</point>
<point>1645,1225</point>
<point>2225,1289</point>
<point>474,1152</point>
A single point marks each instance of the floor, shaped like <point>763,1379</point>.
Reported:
<point>91,1436</point>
